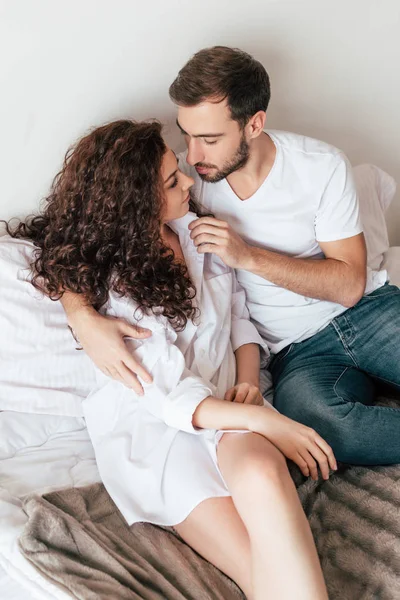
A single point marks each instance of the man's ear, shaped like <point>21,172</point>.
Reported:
<point>256,124</point>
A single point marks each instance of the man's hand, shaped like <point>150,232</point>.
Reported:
<point>102,338</point>
<point>245,393</point>
<point>217,237</point>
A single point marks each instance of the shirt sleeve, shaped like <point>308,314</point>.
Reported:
<point>338,216</point>
<point>175,392</point>
<point>243,330</point>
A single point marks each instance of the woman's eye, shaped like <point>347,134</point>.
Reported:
<point>210,143</point>
<point>175,182</point>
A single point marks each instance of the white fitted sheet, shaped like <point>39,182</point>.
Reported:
<point>38,453</point>
<point>10,589</point>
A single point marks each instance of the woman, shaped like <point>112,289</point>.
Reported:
<point>115,229</point>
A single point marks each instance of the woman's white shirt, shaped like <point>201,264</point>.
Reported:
<point>134,435</point>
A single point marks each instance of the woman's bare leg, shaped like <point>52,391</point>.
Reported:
<point>260,537</point>
<point>284,559</point>
<point>215,530</point>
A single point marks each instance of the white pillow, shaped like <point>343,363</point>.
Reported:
<point>376,190</point>
<point>19,431</point>
<point>40,369</point>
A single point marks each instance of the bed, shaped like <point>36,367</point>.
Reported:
<point>354,516</point>
<point>50,452</point>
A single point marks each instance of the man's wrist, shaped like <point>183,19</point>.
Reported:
<point>248,260</point>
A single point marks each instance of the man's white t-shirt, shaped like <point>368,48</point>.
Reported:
<point>308,197</point>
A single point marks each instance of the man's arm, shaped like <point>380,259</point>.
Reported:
<point>339,277</point>
<point>102,338</point>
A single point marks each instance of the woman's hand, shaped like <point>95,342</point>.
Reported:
<point>299,443</point>
<point>102,338</point>
<point>245,393</point>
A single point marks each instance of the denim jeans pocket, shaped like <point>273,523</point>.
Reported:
<point>283,353</point>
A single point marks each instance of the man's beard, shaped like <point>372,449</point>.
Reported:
<point>238,161</point>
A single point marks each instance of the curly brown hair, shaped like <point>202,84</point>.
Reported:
<point>100,228</point>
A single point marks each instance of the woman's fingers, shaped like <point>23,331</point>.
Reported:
<point>241,395</point>
<point>321,459</point>
<point>325,447</point>
<point>311,463</point>
<point>124,376</point>
<point>129,378</point>
<point>133,331</point>
<point>134,368</point>
<point>254,398</point>
<point>113,373</point>
<point>320,451</point>
<point>302,464</point>
<point>230,395</point>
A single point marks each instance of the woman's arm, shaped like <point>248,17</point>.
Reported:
<point>246,342</point>
<point>247,386</point>
<point>214,413</point>
<point>248,364</point>
<point>299,443</point>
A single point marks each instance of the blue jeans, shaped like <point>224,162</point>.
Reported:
<point>328,381</point>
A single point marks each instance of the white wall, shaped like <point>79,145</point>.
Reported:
<point>67,66</point>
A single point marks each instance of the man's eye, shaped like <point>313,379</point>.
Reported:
<point>210,143</point>
<point>175,182</point>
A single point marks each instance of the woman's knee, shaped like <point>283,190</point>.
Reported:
<point>263,469</point>
<point>264,473</point>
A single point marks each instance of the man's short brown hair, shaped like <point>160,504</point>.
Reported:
<point>221,72</point>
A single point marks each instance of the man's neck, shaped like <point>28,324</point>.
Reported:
<point>246,181</point>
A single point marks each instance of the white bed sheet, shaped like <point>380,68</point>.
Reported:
<point>52,453</point>
<point>10,589</point>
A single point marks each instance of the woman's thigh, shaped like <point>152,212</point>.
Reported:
<point>215,530</point>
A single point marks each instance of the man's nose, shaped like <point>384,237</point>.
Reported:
<point>195,154</point>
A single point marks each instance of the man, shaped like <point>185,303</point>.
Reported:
<point>288,222</point>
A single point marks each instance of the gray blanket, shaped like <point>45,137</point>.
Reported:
<point>78,538</point>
